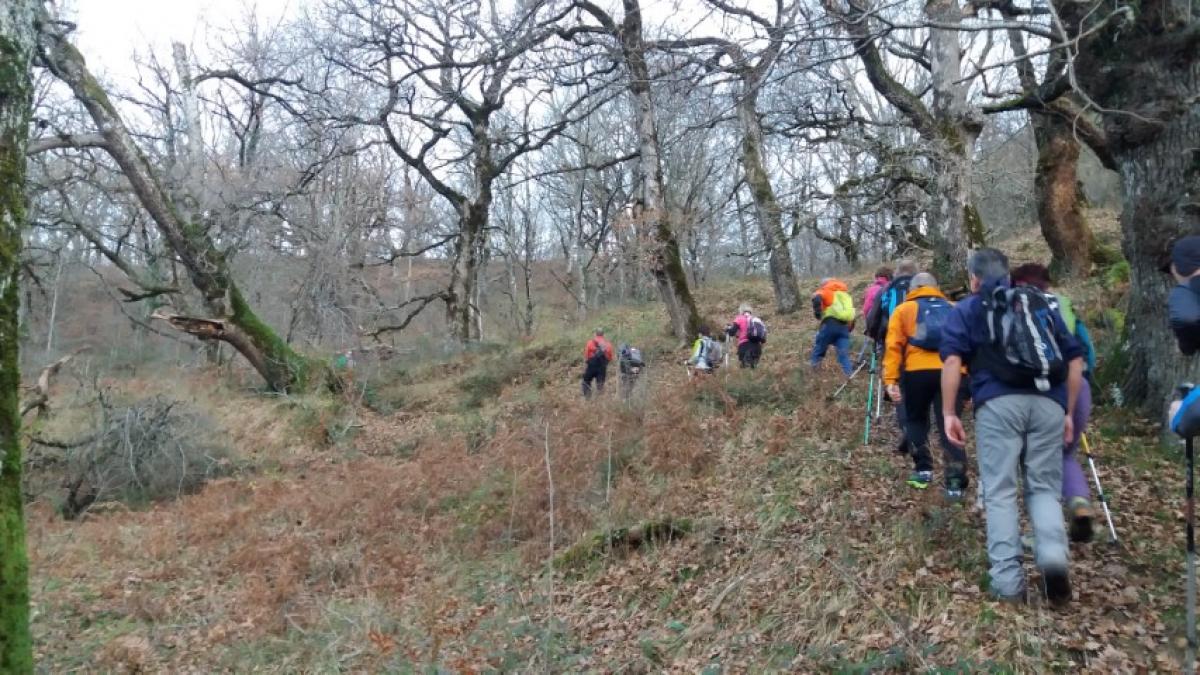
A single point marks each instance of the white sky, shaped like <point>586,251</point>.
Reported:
<point>111,31</point>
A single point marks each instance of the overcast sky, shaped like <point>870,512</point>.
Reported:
<point>110,31</point>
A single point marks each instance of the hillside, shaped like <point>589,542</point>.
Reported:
<point>474,514</point>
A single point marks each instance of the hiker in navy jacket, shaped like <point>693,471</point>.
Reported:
<point>1013,424</point>
<point>1183,309</point>
<point>1183,304</point>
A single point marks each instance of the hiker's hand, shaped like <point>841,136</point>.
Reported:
<point>1173,411</point>
<point>955,431</point>
<point>893,392</point>
<point>1068,430</point>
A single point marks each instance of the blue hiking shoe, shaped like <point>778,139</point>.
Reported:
<point>920,479</point>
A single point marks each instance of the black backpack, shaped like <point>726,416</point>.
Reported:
<point>599,357</point>
<point>931,317</point>
<point>887,302</point>
<point>1022,349</point>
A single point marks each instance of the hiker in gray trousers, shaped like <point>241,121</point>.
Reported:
<point>1023,400</point>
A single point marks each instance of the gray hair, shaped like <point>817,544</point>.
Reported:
<point>600,331</point>
<point>744,308</point>
<point>987,264</point>
<point>924,279</point>
<point>906,268</point>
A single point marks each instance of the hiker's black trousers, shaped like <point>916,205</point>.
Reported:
<point>749,353</point>
<point>596,371</point>
<point>920,390</point>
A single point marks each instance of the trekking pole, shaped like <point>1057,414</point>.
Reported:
<point>862,352</point>
<point>1087,450</point>
<point>1191,561</point>
<point>847,382</point>
<point>879,393</point>
<point>870,392</point>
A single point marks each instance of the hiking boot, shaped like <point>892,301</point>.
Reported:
<point>1057,584</point>
<point>955,487</point>
<point>920,479</point>
<point>1081,520</point>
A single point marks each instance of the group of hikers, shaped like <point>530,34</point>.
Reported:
<point>748,331</point>
<point>1012,348</point>
<point>1020,355</point>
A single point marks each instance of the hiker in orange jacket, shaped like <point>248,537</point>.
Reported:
<point>912,373</point>
<point>597,354</point>
<point>834,308</point>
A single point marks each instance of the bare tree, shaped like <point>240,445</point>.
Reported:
<point>231,318</point>
<point>667,264</point>
<point>948,124</point>
<point>753,70</point>
<point>447,73</point>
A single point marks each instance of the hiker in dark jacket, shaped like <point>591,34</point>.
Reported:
<point>1183,304</point>
<point>630,362</point>
<point>1021,420</point>
<point>1183,310</point>
<point>597,354</point>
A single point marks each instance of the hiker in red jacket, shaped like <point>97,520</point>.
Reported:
<point>597,354</point>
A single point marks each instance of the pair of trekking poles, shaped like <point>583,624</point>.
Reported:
<point>874,398</point>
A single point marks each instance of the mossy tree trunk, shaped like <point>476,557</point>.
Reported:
<point>17,41</point>
<point>666,262</point>
<point>282,368</point>
<point>770,220</point>
<point>1145,68</point>
<point>1059,198</point>
<point>1057,130</point>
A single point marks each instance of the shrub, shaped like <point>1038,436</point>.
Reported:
<point>147,451</point>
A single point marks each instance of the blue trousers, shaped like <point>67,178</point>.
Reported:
<point>834,333</point>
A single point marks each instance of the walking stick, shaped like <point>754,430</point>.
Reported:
<point>857,370</point>
<point>878,396</point>
<point>1087,450</point>
<point>870,393</point>
<point>1191,561</point>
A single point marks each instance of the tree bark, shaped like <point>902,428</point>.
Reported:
<point>666,262</point>
<point>17,41</point>
<point>281,367</point>
<point>1145,71</point>
<point>1059,199</point>
<point>1056,131</point>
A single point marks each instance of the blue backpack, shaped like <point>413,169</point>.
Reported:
<point>932,314</point>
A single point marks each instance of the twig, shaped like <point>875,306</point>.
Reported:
<point>550,560</point>
<point>904,632</point>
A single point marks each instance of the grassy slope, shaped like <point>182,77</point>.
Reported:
<point>422,538</point>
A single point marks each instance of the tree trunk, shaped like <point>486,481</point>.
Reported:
<point>770,221</point>
<point>666,262</point>
<point>281,367</point>
<point>954,223</point>
<point>17,39</point>
<point>1148,75</point>
<point>1056,186</point>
